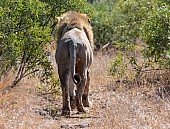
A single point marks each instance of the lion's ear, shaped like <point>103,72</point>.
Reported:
<point>58,19</point>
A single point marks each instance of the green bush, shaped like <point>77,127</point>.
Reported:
<point>23,37</point>
<point>25,31</point>
<point>129,15</point>
<point>119,21</point>
<point>147,20</point>
<point>102,21</point>
<point>118,67</point>
<point>156,34</point>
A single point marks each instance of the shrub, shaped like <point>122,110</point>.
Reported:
<point>118,67</point>
<point>102,21</point>
<point>148,20</point>
<point>24,33</point>
<point>156,32</point>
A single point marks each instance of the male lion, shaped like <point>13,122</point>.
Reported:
<point>74,56</point>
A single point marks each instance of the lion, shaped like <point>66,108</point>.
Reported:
<point>74,56</point>
<point>75,20</point>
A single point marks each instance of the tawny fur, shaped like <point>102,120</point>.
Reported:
<point>75,20</point>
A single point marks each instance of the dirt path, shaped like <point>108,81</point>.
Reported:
<point>114,106</point>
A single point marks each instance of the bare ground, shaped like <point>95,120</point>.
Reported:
<point>116,105</point>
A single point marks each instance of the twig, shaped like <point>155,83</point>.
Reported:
<point>30,72</point>
<point>154,69</point>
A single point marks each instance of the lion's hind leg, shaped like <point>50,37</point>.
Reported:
<point>64,78</point>
<point>80,90</point>
<point>85,98</point>
<point>72,92</point>
<point>79,94</point>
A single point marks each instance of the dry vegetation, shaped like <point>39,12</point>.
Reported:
<point>143,103</point>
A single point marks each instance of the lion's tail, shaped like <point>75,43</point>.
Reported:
<point>76,77</point>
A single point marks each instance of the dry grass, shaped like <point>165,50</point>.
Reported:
<point>142,103</point>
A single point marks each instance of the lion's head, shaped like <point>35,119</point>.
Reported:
<point>70,20</point>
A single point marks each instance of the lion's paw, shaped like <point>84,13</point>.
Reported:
<point>66,113</point>
<point>83,110</point>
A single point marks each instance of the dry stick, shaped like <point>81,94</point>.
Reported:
<point>19,75</point>
<point>155,69</point>
<point>20,72</point>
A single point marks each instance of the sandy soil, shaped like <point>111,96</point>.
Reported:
<point>114,105</point>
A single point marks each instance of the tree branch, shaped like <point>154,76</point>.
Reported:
<point>30,72</point>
